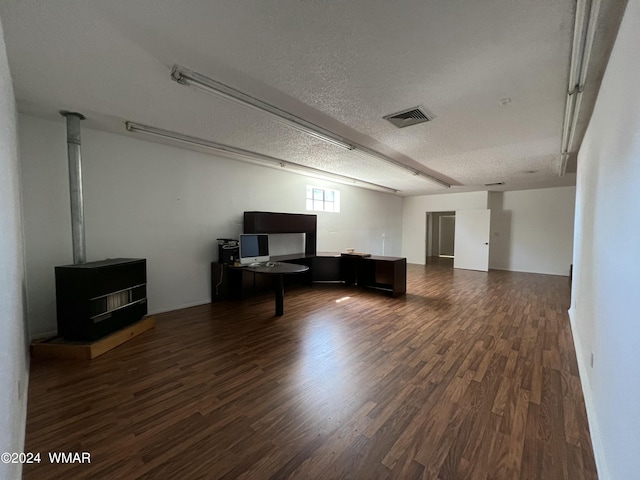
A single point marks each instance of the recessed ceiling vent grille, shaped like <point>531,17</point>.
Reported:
<point>411,116</point>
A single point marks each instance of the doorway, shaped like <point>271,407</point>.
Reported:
<point>446,245</point>
<point>440,238</point>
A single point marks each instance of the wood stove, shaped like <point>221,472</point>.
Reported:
<point>97,298</point>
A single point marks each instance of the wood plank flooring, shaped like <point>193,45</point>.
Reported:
<point>471,375</point>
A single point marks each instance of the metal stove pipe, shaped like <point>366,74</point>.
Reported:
<point>75,185</point>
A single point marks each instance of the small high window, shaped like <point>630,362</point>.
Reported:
<point>322,199</point>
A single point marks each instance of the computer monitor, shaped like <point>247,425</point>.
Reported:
<point>254,248</point>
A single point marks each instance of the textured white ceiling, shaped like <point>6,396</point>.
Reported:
<point>341,65</point>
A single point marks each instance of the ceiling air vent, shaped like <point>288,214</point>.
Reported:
<point>493,184</point>
<point>411,116</point>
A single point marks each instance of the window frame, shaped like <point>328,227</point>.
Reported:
<point>320,199</point>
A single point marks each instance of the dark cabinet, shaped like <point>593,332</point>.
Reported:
<point>235,283</point>
<point>386,273</point>
<point>327,269</point>
<point>95,299</point>
<point>272,222</point>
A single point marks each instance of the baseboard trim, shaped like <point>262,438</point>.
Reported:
<point>179,307</point>
<point>555,274</point>
<point>596,439</point>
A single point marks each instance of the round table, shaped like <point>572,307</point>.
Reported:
<point>279,269</point>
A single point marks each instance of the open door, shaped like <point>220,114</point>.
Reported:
<point>472,240</point>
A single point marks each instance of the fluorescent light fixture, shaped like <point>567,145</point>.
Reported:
<point>584,30</point>
<point>253,157</point>
<point>563,162</point>
<point>185,76</point>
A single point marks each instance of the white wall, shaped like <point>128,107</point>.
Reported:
<point>414,218</point>
<point>532,230</point>
<point>167,205</point>
<point>534,227</point>
<point>606,284</point>
<point>14,364</point>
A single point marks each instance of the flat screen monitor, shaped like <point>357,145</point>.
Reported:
<point>254,248</point>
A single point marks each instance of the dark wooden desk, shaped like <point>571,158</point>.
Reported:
<point>279,270</point>
<point>383,273</point>
<point>387,274</point>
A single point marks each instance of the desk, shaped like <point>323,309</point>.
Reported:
<point>383,273</point>
<point>386,274</point>
<point>279,270</point>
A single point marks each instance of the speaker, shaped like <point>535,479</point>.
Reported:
<point>228,251</point>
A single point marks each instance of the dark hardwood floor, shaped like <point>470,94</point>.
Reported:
<point>469,376</point>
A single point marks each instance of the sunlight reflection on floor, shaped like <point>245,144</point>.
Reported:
<point>324,377</point>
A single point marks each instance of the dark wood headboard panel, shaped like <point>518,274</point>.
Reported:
<point>270,222</point>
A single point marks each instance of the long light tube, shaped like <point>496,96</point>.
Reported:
<point>568,117</point>
<point>583,35</point>
<point>591,31</point>
<point>253,157</point>
<point>576,45</point>
<point>185,76</point>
